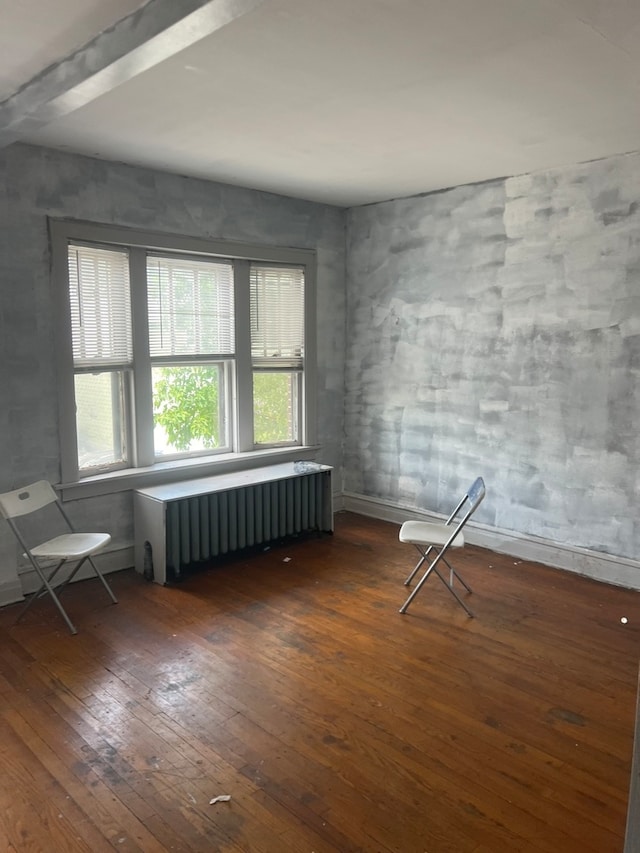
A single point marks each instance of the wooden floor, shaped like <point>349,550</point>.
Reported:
<point>290,682</point>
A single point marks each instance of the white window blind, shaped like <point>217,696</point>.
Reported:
<point>277,316</point>
<point>190,307</point>
<point>100,306</point>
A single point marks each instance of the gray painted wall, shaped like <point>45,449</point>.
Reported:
<point>492,329</point>
<point>495,330</point>
<point>36,183</point>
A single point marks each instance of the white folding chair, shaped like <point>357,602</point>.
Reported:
<point>67,547</point>
<point>437,537</point>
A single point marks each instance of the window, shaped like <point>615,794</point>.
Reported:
<point>277,352</point>
<point>173,348</point>
<point>190,313</point>
<point>99,304</point>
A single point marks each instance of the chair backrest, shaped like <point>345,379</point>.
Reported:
<point>476,493</point>
<point>469,502</point>
<point>27,500</point>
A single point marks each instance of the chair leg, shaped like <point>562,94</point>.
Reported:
<point>453,574</point>
<point>103,581</point>
<point>423,579</point>
<point>453,592</point>
<point>423,557</point>
<point>420,583</point>
<point>71,576</point>
<point>97,572</point>
<point>42,589</point>
<point>47,586</point>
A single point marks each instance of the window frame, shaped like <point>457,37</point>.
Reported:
<point>143,467</point>
<point>224,359</point>
<point>291,365</point>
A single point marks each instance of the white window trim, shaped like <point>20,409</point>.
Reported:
<point>138,241</point>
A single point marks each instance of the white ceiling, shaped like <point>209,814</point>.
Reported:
<point>352,101</point>
<point>36,33</point>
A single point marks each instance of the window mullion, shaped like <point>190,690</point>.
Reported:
<point>243,371</point>
<point>142,414</point>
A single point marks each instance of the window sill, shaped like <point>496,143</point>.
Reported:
<point>184,469</point>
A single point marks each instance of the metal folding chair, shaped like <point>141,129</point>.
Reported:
<point>69,546</point>
<point>437,538</point>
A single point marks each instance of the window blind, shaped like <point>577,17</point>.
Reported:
<point>190,307</point>
<point>100,306</point>
<point>277,316</point>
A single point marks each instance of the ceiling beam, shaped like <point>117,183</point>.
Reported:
<point>148,36</point>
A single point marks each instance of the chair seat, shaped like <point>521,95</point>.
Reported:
<point>72,545</point>
<point>429,533</point>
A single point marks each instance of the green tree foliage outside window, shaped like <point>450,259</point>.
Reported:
<point>186,405</point>
<point>272,407</point>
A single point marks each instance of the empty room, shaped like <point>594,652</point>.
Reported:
<point>320,343</point>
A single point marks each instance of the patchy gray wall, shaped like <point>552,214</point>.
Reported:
<point>36,183</point>
<point>495,330</point>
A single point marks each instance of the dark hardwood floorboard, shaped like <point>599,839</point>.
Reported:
<point>289,680</point>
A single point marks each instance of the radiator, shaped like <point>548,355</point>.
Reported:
<point>197,520</point>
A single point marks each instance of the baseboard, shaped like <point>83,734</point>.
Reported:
<point>620,571</point>
<point>114,560</point>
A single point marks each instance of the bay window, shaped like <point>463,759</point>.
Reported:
<point>174,348</point>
